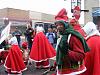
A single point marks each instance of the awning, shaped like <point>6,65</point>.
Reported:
<point>96,13</point>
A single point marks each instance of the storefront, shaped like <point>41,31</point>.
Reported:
<point>96,17</point>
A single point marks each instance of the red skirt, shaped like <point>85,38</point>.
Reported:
<point>4,55</point>
<point>14,61</point>
<point>41,48</point>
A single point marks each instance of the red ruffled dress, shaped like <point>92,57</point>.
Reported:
<point>41,50</point>
<point>14,61</point>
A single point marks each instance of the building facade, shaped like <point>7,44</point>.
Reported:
<point>92,6</point>
<point>21,18</point>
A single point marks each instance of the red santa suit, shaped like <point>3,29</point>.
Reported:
<point>75,54</point>
<point>41,50</point>
<point>92,59</point>
<point>70,50</point>
<point>14,62</point>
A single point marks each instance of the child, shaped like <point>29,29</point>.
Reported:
<point>25,52</point>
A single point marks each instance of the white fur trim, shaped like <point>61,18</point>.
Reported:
<point>90,29</point>
<point>69,38</point>
<point>73,73</point>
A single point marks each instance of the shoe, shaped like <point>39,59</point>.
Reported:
<point>52,68</point>
<point>15,73</point>
<point>1,63</point>
<point>25,63</point>
<point>11,72</point>
<point>30,63</point>
<point>6,71</point>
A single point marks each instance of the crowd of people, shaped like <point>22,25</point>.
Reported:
<point>76,48</point>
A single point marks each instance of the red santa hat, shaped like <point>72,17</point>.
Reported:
<point>24,45</point>
<point>62,15</point>
<point>77,8</point>
<point>76,12</point>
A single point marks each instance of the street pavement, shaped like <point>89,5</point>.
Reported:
<point>31,70</point>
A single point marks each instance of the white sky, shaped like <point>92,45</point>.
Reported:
<point>44,6</point>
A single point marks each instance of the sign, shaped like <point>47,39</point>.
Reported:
<point>5,33</point>
<point>18,23</point>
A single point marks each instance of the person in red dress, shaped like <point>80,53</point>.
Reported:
<point>41,50</point>
<point>14,62</point>
<point>92,59</point>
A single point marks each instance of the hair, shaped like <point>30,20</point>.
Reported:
<point>64,23</point>
<point>16,27</point>
<point>39,29</point>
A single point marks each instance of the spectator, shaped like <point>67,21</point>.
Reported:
<point>18,35</point>
<point>55,39</point>
<point>51,36</point>
<point>29,36</point>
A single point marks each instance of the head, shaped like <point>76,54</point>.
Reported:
<point>61,26</point>
<point>73,22</point>
<point>50,30</point>
<point>54,29</point>
<point>12,35</point>
<point>16,29</point>
<point>39,29</point>
<point>29,26</point>
<point>24,45</point>
<point>90,29</point>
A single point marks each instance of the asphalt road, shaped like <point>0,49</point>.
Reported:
<point>31,70</point>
